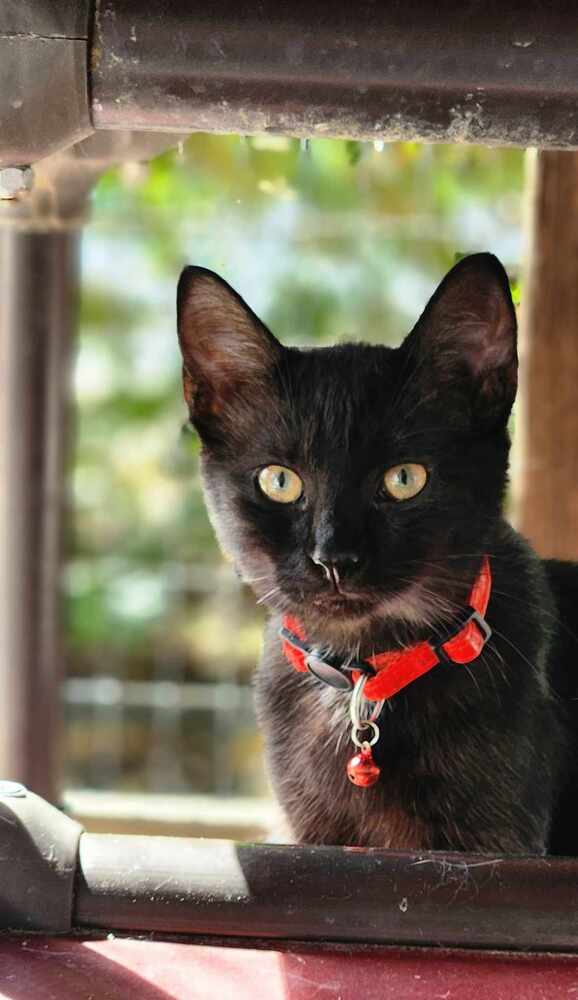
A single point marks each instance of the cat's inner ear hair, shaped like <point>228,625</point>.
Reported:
<point>225,346</point>
<point>468,331</point>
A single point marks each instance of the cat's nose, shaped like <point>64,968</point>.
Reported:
<point>335,564</point>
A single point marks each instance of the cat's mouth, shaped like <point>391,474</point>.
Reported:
<point>406,605</point>
<point>347,600</point>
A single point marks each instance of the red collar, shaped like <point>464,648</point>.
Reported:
<point>389,672</point>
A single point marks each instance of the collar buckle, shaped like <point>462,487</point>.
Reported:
<point>333,672</point>
<point>468,615</point>
<point>329,669</point>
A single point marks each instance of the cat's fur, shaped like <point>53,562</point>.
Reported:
<point>479,757</point>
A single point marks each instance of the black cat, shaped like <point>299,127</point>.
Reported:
<point>359,491</point>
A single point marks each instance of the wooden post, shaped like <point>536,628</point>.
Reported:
<point>38,286</point>
<point>547,421</point>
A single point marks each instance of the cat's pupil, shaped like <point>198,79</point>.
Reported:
<point>281,480</point>
<point>403,477</point>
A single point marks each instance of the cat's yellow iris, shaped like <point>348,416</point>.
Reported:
<point>280,483</point>
<point>403,482</point>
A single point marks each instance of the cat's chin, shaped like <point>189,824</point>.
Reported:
<point>343,614</point>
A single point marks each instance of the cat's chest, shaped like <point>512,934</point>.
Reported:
<point>307,730</point>
<point>323,804</point>
<point>326,714</point>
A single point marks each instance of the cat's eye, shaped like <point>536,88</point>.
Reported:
<point>402,482</point>
<point>280,483</point>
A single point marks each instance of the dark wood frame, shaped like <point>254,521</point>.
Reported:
<point>493,72</point>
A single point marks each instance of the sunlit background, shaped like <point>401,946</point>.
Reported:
<point>327,241</point>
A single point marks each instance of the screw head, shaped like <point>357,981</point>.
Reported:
<point>15,182</point>
<point>12,790</point>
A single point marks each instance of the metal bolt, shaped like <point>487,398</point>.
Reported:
<point>15,182</point>
<point>12,790</point>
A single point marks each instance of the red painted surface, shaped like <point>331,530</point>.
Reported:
<point>38,968</point>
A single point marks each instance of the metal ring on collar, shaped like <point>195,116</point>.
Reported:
<point>361,729</point>
<point>356,706</point>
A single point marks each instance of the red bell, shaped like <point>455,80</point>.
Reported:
<point>362,769</point>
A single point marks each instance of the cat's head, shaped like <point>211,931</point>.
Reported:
<point>348,483</point>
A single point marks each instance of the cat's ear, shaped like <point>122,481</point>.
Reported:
<point>466,336</point>
<point>226,349</point>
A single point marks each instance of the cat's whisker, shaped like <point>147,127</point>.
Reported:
<point>489,662</point>
<point>269,594</point>
<point>516,648</point>
<point>473,677</point>
<point>538,606</point>
<point>499,659</point>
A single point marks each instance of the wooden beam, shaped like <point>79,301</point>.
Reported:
<point>547,421</point>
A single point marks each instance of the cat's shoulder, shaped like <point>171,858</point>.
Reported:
<point>562,577</point>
